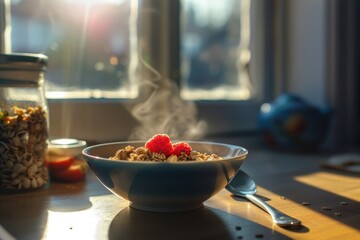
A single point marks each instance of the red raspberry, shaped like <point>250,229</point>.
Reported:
<point>181,147</point>
<point>160,143</point>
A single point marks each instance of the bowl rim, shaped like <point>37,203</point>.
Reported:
<point>241,156</point>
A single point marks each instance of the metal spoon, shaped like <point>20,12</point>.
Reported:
<point>243,186</point>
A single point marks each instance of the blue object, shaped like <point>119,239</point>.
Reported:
<point>291,123</point>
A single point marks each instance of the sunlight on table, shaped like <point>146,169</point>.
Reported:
<point>83,224</point>
<point>342,185</point>
<point>71,225</point>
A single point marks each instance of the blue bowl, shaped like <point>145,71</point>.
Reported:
<point>165,186</point>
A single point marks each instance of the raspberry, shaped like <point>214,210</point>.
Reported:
<point>181,147</point>
<point>160,143</point>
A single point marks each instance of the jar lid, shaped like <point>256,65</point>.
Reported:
<point>22,69</point>
<point>23,61</point>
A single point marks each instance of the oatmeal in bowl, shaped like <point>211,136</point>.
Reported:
<point>162,175</point>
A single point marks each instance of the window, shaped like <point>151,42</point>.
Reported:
<point>88,47</point>
<point>110,60</point>
<point>215,46</point>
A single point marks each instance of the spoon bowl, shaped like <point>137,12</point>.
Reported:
<point>242,185</point>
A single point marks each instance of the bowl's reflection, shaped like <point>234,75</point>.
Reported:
<point>199,224</point>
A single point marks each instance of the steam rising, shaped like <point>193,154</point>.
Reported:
<point>165,112</point>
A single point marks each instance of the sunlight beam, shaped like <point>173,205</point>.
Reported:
<point>338,184</point>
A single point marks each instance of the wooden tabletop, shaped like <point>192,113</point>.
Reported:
<point>326,201</point>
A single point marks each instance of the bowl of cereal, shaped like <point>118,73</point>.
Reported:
<point>163,176</point>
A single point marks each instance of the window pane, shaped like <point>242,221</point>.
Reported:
<point>87,42</point>
<point>215,49</point>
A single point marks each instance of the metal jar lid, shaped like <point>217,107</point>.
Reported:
<point>23,61</point>
<point>22,68</point>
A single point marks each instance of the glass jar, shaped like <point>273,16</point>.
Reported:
<point>23,122</point>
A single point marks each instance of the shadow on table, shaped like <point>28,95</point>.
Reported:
<point>330,204</point>
<point>205,223</point>
<point>22,223</point>
<point>71,197</point>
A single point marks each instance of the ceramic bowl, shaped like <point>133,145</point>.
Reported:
<point>165,186</point>
<point>67,147</point>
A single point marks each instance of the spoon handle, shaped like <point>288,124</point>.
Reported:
<point>278,217</point>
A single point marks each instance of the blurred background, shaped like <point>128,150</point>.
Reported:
<point>195,69</point>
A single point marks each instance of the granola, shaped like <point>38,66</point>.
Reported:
<point>130,153</point>
<point>23,144</point>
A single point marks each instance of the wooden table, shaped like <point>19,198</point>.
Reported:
<point>327,203</point>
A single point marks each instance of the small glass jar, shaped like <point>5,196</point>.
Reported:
<point>23,122</point>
